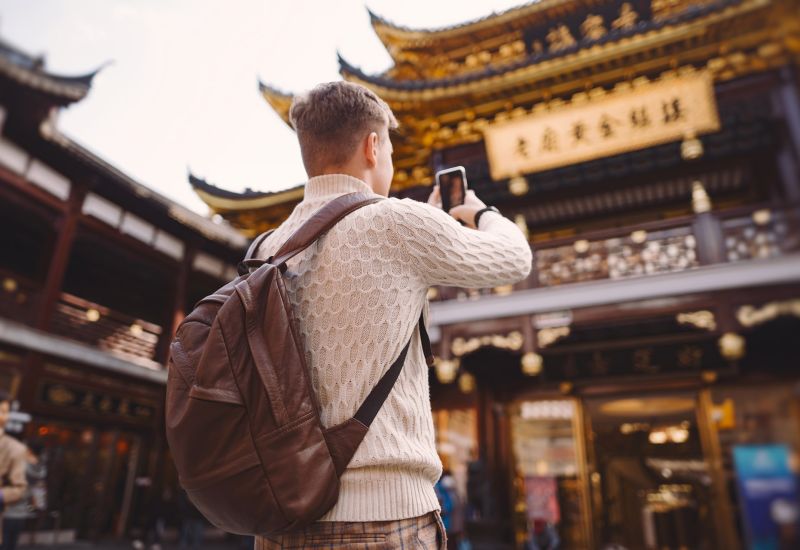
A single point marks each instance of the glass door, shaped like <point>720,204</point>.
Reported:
<point>651,479</point>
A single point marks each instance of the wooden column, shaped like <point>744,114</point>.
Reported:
<point>66,227</point>
<point>790,109</point>
<point>177,309</point>
<point>706,228</point>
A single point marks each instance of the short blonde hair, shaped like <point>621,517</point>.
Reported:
<point>332,119</point>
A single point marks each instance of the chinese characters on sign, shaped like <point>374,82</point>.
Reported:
<point>625,120</point>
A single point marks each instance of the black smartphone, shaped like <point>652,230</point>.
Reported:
<point>452,184</point>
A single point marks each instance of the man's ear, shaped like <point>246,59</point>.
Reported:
<point>371,149</point>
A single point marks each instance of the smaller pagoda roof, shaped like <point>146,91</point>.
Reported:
<point>279,100</point>
<point>222,200</point>
<point>28,70</point>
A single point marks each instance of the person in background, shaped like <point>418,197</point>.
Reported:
<point>452,509</point>
<point>192,523</point>
<point>12,460</point>
<point>33,501</point>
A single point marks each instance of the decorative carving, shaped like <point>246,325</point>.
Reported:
<point>703,319</point>
<point>750,316</point>
<point>59,395</point>
<point>560,38</point>
<point>593,28</point>
<point>759,236</point>
<point>690,357</point>
<point>616,258</point>
<point>548,336</point>
<point>627,18</point>
<point>513,341</point>
<point>666,8</point>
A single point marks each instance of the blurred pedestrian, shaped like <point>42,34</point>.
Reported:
<point>33,501</point>
<point>192,523</point>
<point>13,461</point>
<point>452,509</point>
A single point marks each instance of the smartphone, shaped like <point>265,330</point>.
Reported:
<point>452,184</point>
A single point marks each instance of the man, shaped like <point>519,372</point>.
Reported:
<point>33,501</point>
<point>357,295</point>
<point>13,460</point>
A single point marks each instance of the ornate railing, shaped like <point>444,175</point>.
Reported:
<point>650,248</point>
<point>19,297</point>
<point>108,330</point>
<point>758,234</point>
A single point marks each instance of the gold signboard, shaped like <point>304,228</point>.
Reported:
<point>641,116</point>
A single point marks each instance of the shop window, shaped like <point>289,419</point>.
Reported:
<point>549,501</point>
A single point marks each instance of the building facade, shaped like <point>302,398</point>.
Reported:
<point>650,150</point>
<point>96,270</point>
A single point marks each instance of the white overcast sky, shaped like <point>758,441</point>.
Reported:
<point>182,90</point>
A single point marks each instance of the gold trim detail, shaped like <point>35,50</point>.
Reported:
<point>548,336</point>
<point>512,341</point>
<point>702,319</point>
<point>751,316</point>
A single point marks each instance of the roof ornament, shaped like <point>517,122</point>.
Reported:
<point>627,18</point>
<point>592,28</point>
<point>560,38</point>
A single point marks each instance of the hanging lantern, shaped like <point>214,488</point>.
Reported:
<point>701,202</point>
<point>518,185</point>
<point>532,363</point>
<point>691,147</point>
<point>466,383</point>
<point>731,346</point>
<point>446,370</point>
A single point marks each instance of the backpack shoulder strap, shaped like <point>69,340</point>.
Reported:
<point>321,222</point>
<point>251,251</point>
<point>374,401</point>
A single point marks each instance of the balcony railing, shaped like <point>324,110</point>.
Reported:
<point>106,329</point>
<point>19,297</point>
<point>650,248</point>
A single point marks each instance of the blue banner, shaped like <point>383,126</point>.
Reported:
<point>768,496</point>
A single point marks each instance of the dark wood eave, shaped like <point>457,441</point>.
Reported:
<point>28,71</point>
<point>220,233</point>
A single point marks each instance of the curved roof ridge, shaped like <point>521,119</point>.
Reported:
<point>533,58</point>
<point>29,70</point>
<point>266,88</point>
<point>200,183</point>
<point>378,20</point>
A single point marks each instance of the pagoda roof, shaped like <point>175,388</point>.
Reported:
<point>516,17</point>
<point>223,200</point>
<point>28,70</point>
<point>280,101</point>
<point>457,82</point>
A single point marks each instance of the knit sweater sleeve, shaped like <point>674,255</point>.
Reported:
<point>443,252</point>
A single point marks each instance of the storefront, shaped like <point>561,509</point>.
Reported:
<point>652,459</point>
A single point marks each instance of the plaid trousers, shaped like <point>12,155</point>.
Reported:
<point>420,533</point>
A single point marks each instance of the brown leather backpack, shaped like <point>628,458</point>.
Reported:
<point>242,419</point>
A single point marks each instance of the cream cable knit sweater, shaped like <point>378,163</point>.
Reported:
<point>357,295</point>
